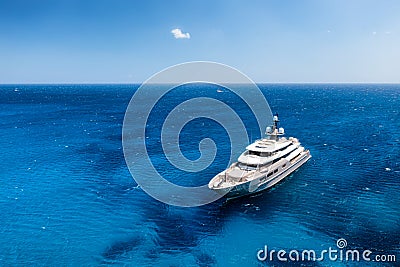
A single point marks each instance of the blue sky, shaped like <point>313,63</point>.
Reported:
<point>98,41</point>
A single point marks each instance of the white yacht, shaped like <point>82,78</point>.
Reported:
<point>264,163</point>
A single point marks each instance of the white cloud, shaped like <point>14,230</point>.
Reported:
<point>374,33</point>
<point>178,34</point>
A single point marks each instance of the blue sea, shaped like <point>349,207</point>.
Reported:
<point>67,197</point>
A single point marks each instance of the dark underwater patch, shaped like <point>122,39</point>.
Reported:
<point>120,248</point>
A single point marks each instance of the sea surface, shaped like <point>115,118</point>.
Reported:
<point>67,197</point>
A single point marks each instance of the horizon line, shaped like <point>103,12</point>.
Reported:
<point>138,83</point>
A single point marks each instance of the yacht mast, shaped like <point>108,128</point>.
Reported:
<point>274,132</point>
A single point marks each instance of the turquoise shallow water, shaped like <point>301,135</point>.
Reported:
<point>67,197</point>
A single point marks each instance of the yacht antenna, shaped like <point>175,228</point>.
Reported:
<point>276,120</point>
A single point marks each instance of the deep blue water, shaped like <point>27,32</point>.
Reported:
<point>67,197</point>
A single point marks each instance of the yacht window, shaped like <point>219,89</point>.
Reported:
<point>284,165</point>
<point>247,167</point>
<point>254,153</point>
